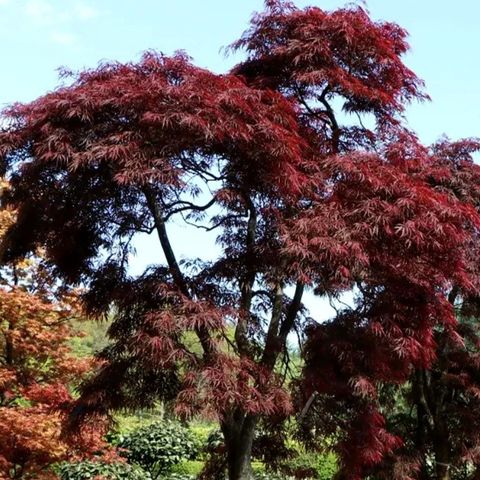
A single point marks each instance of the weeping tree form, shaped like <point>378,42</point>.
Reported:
<point>300,197</point>
<point>429,407</point>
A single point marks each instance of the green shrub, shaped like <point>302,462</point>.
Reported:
<point>178,476</point>
<point>109,471</point>
<point>159,446</point>
<point>323,464</point>
<point>272,476</point>
<point>202,432</point>
<point>188,467</point>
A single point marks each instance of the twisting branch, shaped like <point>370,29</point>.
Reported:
<point>189,206</point>
<point>134,229</point>
<point>331,116</point>
<point>179,279</point>
<point>327,116</point>
<point>211,227</point>
<point>314,113</point>
<point>272,346</point>
<point>292,311</point>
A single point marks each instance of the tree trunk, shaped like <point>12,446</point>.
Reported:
<point>442,452</point>
<point>443,471</point>
<point>238,433</point>
<point>443,467</point>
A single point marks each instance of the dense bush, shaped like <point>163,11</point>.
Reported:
<point>322,465</point>
<point>108,471</point>
<point>159,446</point>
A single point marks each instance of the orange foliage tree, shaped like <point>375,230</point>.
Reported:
<point>37,371</point>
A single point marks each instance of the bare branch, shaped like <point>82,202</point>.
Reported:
<point>189,206</point>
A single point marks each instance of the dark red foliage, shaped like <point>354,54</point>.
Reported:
<point>316,56</point>
<point>301,196</point>
<point>126,126</point>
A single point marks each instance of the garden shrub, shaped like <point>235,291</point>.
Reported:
<point>109,471</point>
<point>159,446</point>
<point>322,465</point>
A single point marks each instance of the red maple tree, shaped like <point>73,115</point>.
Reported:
<point>395,376</point>
<point>301,198</point>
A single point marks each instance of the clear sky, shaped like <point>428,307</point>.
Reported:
<point>38,36</point>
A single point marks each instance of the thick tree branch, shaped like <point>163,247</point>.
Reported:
<point>277,333</point>
<point>159,221</point>
<point>307,406</point>
<point>272,344</point>
<point>419,384</point>
<point>247,282</point>
<point>292,311</point>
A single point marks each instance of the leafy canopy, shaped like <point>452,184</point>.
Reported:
<point>300,196</point>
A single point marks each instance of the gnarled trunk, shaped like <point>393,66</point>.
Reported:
<point>238,432</point>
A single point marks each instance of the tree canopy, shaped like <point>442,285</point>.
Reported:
<point>274,156</point>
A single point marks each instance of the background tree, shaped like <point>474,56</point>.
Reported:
<point>300,197</point>
<point>37,371</point>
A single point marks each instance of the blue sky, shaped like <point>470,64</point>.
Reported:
<point>38,36</point>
